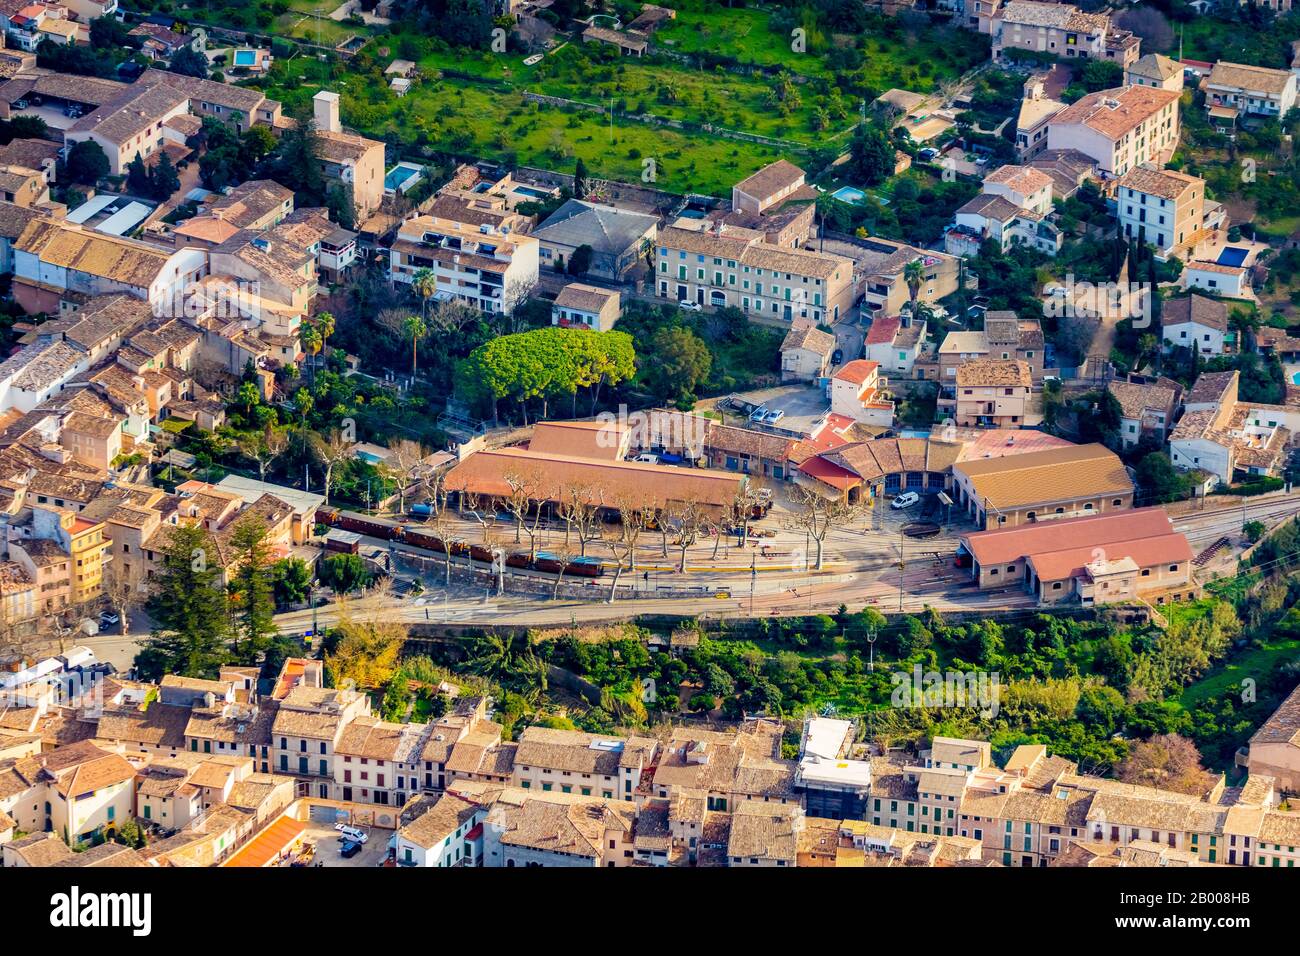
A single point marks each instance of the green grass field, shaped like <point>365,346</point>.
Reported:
<point>1227,677</point>
<point>480,121</point>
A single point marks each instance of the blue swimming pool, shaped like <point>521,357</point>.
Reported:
<point>1295,378</point>
<point>401,177</point>
<point>245,57</point>
<point>1232,256</point>
<point>849,194</point>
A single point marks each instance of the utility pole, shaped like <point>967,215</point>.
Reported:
<point>902,566</point>
<point>871,649</point>
<point>753,579</point>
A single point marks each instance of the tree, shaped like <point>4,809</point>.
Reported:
<point>687,520</point>
<point>580,261</point>
<point>580,509</point>
<point>580,179</point>
<point>816,514</point>
<point>325,326</point>
<point>682,364</point>
<point>914,276</point>
<point>87,163</point>
<point>1160,482</point>
<point>1166,761</point>
<point>345,573</point>
<point>330,450</point>
<point>634,516</point>
<point>405,459</point>
<point>424,283</point>
<point>414,328</point>
<point>188,607</point>
<point>189,62</point>
<point>163,178</point>
<point>264,449</point>
<point>251,587</point>
<point>871,155</point>
<point>366,653</point>
<point>522,503</point>
<point>137,177</point>
<point>290,581</point>
<point>311,344</point>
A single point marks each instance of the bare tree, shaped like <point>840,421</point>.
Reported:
<point>524,505</point>
<point>330,450</point>
<point>405,459</point>
<point>580,509</point>
<point>816,514</point>
<point>440,521</point>
<point>687,519</point>
<point>564,556</point>
<point>746,500</point>
<point>120,592</point>
<point>264,449</point>
<point>517,291</point>
<point>634,517</point>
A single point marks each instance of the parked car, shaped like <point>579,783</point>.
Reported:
<point>351,833</point>
<point>905,500</point>
<point>690,306</point>
<point>837,356</point>
<point>647,458</point>
<point>109,619</point>
<point>774,416</point>
<point>349,849</point>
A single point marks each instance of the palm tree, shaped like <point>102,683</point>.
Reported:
<point>914,276</point>
<point>425,284</point>
<point>325,326</point>
<point>311,344</point>
<point>415,329</point>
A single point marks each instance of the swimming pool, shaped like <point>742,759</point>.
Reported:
<point>245,57</point>
<point>1232,256</point>
<point>1295,378</point>
<point>849,194</point>
<point>402,177</point>
<point>530,191</point>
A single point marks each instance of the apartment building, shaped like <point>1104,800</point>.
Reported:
<point>1274,749</point>
<point>990,393</point>
<point>306,731</point>
<point>570,761</point>
<point>476,265</point>
<point>1236,91</point>
<point>1225,437</point>
<point>1005,337</point>
<point>730,266</point>
<point>55,259</point>
<point>618,239</point>
<point>74,792</point>
<point>377,761</point>
<point>856,393</point>
<point>523,828</point>
<point>1119,129</point>
<point>895,343</point>
<point>1162,207</point>
<point>131,124</point>
<point>1060,29</point>
<point>726,769</point>
<point>1036,109</point>
<point>446,832</point>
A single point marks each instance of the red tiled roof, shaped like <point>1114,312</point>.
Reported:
<point>857,371</point>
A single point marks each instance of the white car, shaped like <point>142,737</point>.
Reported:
<point>905,500</point>
<point>690,306</point>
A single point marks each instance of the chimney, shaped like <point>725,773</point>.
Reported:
<point>326,111</point>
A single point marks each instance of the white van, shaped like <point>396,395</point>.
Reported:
<point>352,834</point>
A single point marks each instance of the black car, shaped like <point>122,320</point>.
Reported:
<point>349,849</point>
<point>837,356</point>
